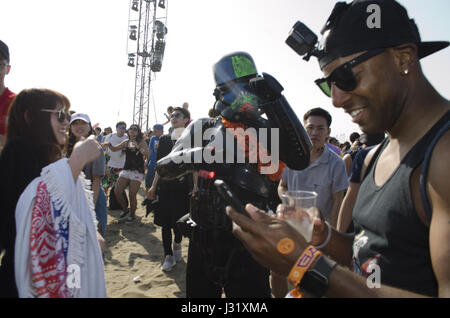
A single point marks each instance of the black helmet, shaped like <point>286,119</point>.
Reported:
<point>234,66</point>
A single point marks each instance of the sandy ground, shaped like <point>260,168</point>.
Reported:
<point>136,250</point>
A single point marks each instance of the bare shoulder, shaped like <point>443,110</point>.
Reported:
<point>439,168</point>
<point>438,183</point>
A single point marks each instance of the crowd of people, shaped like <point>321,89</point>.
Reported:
<point>382,198</point>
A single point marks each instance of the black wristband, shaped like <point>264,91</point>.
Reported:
<point>315,281</point>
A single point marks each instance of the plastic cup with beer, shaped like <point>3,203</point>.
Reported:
<point>300,211</point>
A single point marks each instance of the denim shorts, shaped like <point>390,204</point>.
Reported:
<point>133,175</point>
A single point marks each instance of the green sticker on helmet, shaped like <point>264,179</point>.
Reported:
<point>242,66</point>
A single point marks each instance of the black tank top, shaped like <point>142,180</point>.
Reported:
<point>389,232</point>
<point>134,160</point>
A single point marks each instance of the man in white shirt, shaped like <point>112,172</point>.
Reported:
<point>116,158</point>
<point>326,173</point>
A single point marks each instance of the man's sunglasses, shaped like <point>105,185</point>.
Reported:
<point>62,114</point>
<point>343,76</point>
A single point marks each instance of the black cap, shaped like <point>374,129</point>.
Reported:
<point>4,50</point>
<point>351,30</point>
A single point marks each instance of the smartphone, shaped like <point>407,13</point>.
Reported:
<point>230,197</point>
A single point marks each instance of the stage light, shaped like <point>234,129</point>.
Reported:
<point>160,47</point>
<point>161,29</point>
<point>131,60</point>
<point>133,32</point>
<point>135,5</point>
<point>156,63</point>
<point>161,4</point>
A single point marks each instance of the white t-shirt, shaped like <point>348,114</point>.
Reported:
<point>117,157</point>
<point>326,176</point>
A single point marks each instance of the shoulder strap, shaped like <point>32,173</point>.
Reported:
<point>424,171</point>
<point>373,158</point>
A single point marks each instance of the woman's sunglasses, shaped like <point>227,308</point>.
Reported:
<point>343,76</point>
<point>62,114</point>
<point>133,128</point>
<point>175,115</point>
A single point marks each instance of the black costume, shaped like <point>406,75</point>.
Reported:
<point>216,259</point>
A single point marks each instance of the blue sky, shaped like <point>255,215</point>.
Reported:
<point>79,48</point>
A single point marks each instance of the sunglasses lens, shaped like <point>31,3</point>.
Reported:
<point>344,78</point>
<point>324,87</point>
<point>62,115</point>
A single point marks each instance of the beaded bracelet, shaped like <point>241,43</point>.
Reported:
<point>327,239</point>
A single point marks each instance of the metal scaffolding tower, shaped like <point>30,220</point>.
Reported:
<point>147,29</point>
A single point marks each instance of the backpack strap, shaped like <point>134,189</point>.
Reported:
<point>424,170</point>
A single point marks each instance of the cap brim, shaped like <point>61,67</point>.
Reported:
<point>423,49</point>
<point>427,48</point>
<point>79,118</point>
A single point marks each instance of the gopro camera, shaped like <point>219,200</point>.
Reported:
<point>303,41</point>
